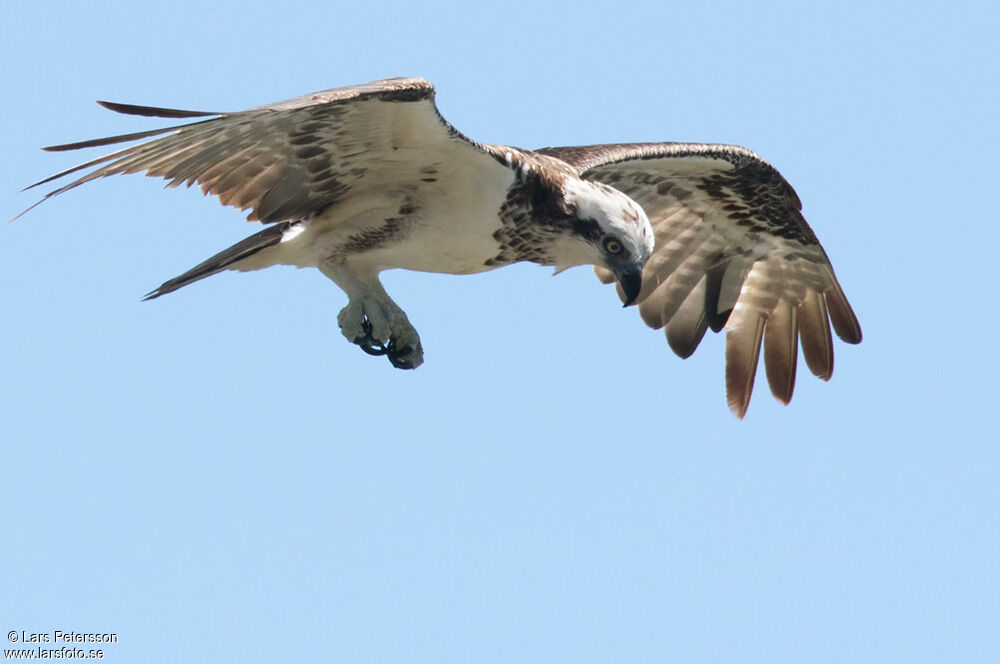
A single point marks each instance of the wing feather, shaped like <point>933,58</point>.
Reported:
<point>845,323</point>
<point>684,278</point>
<point>153,111</point>
<point>814,332</point>
<point>742,353</point>
<point>781,350</point>
<point>732,253</point>
<point>109,140</point>
<point>287,160</point>
<point>686,328</point>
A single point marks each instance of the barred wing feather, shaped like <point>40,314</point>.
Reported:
<point>287,160</point>
<point>733,253</point>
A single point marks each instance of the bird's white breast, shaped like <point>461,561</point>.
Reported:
<point>449,226</point>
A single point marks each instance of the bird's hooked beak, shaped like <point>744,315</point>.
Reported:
<point>631,283</point>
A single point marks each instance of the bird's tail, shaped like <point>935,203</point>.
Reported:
<point>268,237</point>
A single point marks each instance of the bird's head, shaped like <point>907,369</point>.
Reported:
<point>608,229</point>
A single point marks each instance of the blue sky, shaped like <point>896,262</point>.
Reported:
<point>218,476</point>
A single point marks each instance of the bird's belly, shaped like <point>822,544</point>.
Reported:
<point>451,234</point>
<point>426,246</point>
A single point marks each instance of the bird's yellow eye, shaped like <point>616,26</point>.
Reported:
<point>612,246</point>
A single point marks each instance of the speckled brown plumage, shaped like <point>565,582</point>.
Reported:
<point>533,213</point>
<point>733,252</point>
<point>732,249</point>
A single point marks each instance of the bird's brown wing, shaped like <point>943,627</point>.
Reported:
<point>732,252</point>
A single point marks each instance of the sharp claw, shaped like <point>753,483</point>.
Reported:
<point>371,349</point>
<point>394,355</point>
<point>399,351</point>
<point>370,345</point>
<point>400,364</point>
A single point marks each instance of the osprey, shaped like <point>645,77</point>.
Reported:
<point>366,178</point>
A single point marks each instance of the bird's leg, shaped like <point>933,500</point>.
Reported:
<point>372,320</point>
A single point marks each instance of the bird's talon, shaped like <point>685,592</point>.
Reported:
<point>368,344</point>
<point>371,347</point>
<point>396,355</point>
<point>400,364</point>
<point>392,350</point>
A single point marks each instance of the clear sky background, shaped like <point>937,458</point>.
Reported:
<point>218,476</point>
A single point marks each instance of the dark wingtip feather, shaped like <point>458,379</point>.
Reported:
<point>781,350</point>
<point>153,111</point>
<point>26,211</point>
<point>742,354</point>
<point>845,323</point>
<point>96,142</point>
<point>814,334</point>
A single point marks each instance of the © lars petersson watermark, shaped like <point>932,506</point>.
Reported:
<point>58,644</point>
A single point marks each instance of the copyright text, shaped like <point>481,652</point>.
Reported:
<point>51,645</point>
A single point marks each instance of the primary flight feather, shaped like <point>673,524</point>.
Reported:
<point>361,179</point>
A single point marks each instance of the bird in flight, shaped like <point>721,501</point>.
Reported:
<point>366,178</point>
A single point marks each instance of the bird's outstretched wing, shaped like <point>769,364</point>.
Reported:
<point>286,160</point>
<point>732,252</point>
